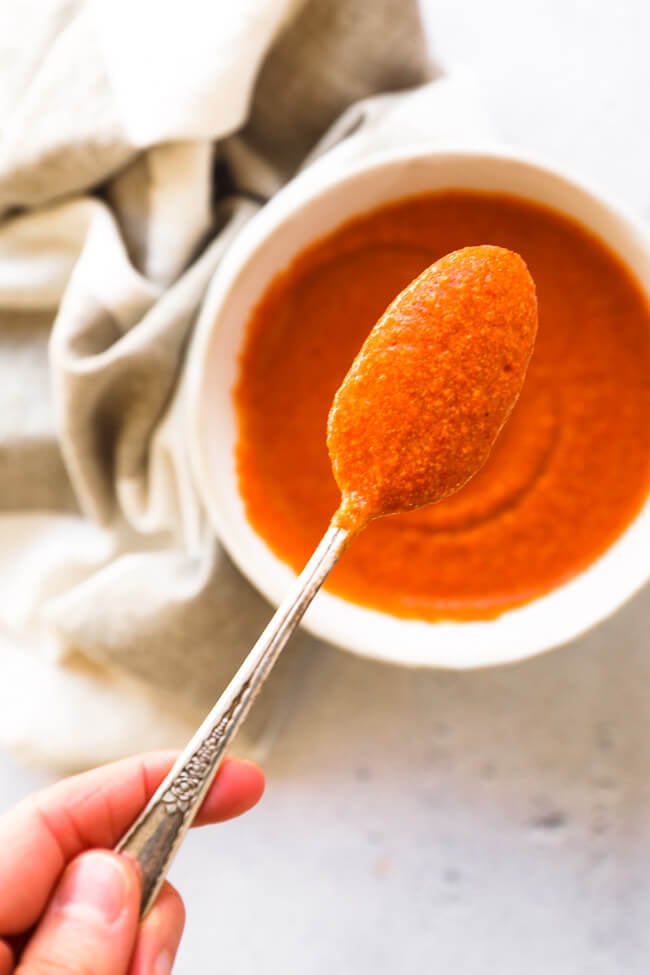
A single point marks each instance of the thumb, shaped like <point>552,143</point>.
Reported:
<point>91,922</point>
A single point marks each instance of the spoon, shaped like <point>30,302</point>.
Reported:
<point>413,421</point>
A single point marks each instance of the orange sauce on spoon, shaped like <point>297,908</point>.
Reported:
<point>417,414</point>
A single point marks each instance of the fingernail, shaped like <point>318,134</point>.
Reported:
<point>94,887</point>
<point>163,963</point>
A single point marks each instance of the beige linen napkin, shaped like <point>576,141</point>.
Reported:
<point>135,142</point>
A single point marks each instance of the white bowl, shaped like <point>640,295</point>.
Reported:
<point>323,197</point>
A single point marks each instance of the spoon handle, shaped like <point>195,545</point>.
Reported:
<point>155,836</point>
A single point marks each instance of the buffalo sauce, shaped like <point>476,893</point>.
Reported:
<point>434,382</point>
<point>567,474</point>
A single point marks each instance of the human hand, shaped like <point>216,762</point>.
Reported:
<point>69,906</point>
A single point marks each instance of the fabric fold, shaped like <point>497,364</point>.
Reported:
<point>113,587</point>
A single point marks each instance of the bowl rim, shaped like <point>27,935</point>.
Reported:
<point>458,644</point>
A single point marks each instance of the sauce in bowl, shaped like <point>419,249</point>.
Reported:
<point>570,469</point>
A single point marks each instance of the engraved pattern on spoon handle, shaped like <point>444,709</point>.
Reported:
<point>158,831</point>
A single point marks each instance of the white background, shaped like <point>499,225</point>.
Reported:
<point>493,821</point>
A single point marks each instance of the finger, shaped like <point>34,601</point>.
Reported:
<point>6,959</point>
<point>238,786</point>
<point>44,832</point>
<point>159,935</point>
<point>91,922</point>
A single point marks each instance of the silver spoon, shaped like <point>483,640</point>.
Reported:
<point>156,834</point>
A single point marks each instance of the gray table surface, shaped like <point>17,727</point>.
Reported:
<point>487,821</point>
